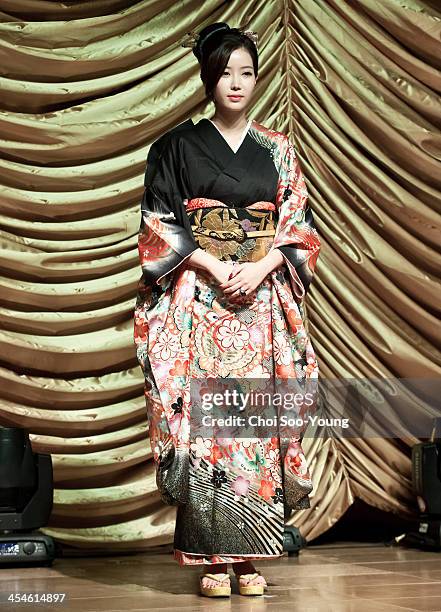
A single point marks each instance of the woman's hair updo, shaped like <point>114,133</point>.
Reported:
<point>214,46</point>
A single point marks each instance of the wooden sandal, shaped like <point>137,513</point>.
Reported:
<point>250,589</point>
<point>223,590</point>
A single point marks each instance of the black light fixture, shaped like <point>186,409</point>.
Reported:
<point>293,541</point>
<point>426,479</point>
<point>26,498</point>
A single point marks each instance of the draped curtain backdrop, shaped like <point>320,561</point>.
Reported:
<point>86,86</point>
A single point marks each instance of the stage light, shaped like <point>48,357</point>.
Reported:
<point>426,479</point>
<point>293,541</point>
<point>26,497</point>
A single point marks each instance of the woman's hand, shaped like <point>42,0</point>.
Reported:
<point>221,271</point>
<point>247,276</point>
<point>232,278</point>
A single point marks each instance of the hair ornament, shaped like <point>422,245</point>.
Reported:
<point>251,35</point>
<point>190,40</point>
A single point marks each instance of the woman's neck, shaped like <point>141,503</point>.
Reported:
<point>230,122</point>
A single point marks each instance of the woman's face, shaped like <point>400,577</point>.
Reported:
<point>237,80</point>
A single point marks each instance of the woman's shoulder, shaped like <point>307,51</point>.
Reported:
<point>165,146</point>
<point>278,138</point>
<point>173,134</point>
<point>268,131</point>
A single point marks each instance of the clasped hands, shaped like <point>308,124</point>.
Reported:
<point>239,281</point>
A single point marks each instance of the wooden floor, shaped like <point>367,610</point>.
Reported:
<point>338,578</point>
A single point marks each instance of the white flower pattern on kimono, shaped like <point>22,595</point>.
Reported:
<point>282,351</point>
<point>274,463</point>
<point>201,447</point>
<point>166,346</point>
<point>233,333</point>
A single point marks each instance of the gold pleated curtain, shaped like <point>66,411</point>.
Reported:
<point>85,88</point>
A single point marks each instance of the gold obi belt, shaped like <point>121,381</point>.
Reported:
<point>232,234</point>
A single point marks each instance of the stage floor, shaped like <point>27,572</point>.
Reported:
<point>333,577</point>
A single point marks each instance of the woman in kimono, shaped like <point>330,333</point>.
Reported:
<point>228,248</point>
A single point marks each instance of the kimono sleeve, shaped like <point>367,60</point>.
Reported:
<point>296,236</point>
<point>165,237</point>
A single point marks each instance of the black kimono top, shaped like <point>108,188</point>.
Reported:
<point>194,161</point>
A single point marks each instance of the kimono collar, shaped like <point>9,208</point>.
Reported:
<point>215,146</point>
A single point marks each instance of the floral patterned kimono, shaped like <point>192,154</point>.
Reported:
<point>238,206</point>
